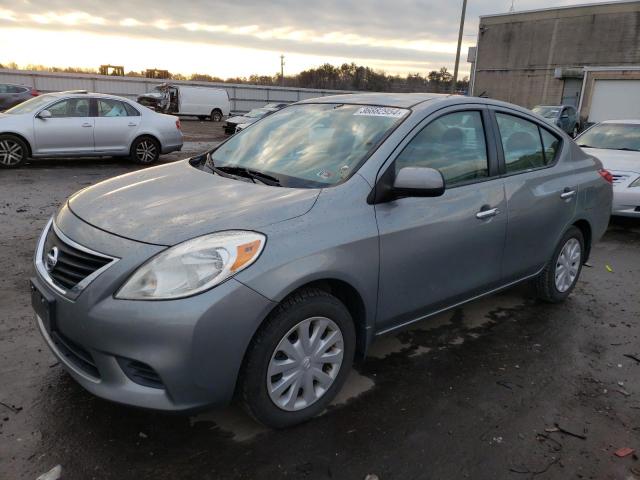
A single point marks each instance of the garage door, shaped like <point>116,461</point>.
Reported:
<point>615,100</point>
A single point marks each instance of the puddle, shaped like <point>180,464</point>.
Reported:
<point>385,345</point>
<point>242,427</point>
<point>355,386</point>
<point>232,420</point>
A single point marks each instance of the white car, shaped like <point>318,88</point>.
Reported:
<point>202,102</point>
<point>617,144</point>
<point>81,124</point>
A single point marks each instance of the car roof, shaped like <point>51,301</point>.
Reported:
<point>624,122</point>
<point>83,93</point>
<point>554,106</point>
<point>400,100</point>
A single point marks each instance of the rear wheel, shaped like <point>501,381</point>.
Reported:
<point>13,151</point>
<point>145,150</point>
<point>558,279</point>
<point>299,359</point>
<point>216,115</point>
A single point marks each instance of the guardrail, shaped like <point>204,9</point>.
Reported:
<point>243,97</point>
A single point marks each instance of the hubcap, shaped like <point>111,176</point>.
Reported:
<point>146,151</point>
<point>305,364</point>
<point>567,265</point>
<point>10,153</point>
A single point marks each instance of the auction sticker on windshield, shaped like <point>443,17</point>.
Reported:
<point>381,112</point>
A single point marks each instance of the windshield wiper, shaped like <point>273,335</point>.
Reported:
<point>585,146</point>
<point>251,174</point>
<point>627,149</point>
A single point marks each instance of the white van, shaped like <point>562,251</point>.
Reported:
<point>201,102</point>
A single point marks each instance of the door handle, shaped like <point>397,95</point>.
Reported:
<point>87,125</point>
<point>131,124</point>
<point>567,194</point>
<point>483,214</point>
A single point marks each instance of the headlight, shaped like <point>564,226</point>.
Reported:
<point>636,183</point>
<point>193,266</point>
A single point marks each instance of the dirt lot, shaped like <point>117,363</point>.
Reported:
<point>475,393</point>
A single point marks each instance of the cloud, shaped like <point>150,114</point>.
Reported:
<point>410,32</point>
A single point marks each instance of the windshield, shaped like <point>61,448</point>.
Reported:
<point>257,113</point>
<point>309,145</point>
<point>547,112</point>
<point>612,136</point>
<point>31,105</point>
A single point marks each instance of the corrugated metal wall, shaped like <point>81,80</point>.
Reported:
<point>243,97</point>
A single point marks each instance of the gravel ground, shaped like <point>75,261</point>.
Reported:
<point>474,393</point>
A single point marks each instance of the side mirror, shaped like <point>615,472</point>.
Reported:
<point>44,114</point>
<point>418,182</point>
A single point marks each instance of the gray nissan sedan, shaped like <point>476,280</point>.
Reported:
<point>265,267</point>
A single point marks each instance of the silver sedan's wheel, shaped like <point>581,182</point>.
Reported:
<point>11,153</point>
<point>146,151</point>
<point>305,364</point>
<point>568,265</point>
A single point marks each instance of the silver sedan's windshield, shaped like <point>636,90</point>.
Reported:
<point>309,145</point>
<point>30,105</point>
<point>612,136</point>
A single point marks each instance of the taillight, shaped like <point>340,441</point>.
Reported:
<point>34,92</point>
<point>178,126</point>
<point>606,174</point>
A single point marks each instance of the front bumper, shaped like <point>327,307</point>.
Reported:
<point>626,201</point>
<point>195,345</point>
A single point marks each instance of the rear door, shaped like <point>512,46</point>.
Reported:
<point>541,191</point>
<point>437,251</point>
<point>116,126</point>
<point>69,130</point>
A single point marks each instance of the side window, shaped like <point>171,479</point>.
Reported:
<point>521,143</point>
<point>132,112</point>
<point>74,107</point>
<point>551,145</point>
<point>454,144</point>
<point>111,108</point>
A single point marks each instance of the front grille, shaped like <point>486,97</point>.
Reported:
<point>67,265</point>
<point>75,354</point>
<point>140,373</point>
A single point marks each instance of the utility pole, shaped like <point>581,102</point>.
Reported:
<point>455,71</point>
<point>282,70</point>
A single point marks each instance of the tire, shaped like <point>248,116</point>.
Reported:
<point>551,285</point>
<point>216,115</point>
<point>145,151</point>
<point>261,385</point>
<point>13,151</point>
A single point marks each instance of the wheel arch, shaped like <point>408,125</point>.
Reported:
<point>585,227</point>
<point>23,138</point>
<point>352,300</point>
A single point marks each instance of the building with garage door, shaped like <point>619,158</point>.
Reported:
<point>587,56</point>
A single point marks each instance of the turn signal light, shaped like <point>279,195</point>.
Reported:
<point>606,174</point>
<point>178,126</point>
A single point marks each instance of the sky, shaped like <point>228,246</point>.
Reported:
<point>231,38</point>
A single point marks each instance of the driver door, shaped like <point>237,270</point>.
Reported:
<point>69,130</point>
<point>438,251</point>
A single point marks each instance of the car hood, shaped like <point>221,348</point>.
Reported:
<point>240,119</point>
<point>172,203</point>
<point>616,160</point>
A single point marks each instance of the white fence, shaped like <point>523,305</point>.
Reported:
<point>243,97</point>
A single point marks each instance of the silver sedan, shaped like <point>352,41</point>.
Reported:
<point>81,124</point>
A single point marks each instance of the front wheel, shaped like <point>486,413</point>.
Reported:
<point>145,150</point>
<point>558,279</point>
<point>13,151</point>
<point>299,359</point>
